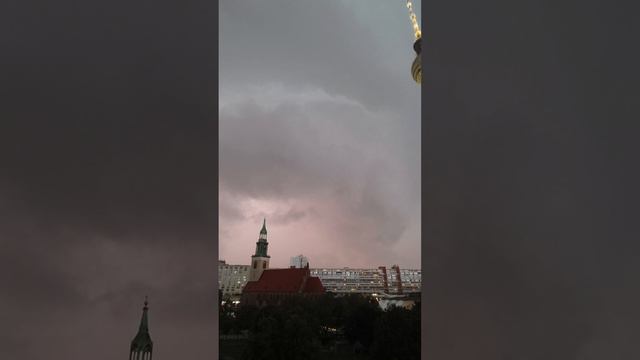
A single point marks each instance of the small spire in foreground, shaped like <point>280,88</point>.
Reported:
<point>142,346</point>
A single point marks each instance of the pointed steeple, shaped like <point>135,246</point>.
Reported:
<point>142,346</point>
<point>264,227</point>
<point>260,259</point>
<point>263,232</point>
<point>261,245</point>
<point>144,322</point>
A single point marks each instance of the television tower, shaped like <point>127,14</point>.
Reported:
<point>416,66</point>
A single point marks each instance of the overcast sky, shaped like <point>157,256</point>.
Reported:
<point>531,224</point>
<point>107,147</point>
<point>319,132</point>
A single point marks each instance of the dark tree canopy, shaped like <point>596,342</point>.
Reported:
<point>312,328</point>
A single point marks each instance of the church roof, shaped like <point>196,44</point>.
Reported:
<point>291,280</point>
<point>313,286</point>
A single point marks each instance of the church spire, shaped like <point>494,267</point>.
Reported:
<point>141,345</point>
<point>263,232</point>
<point>144,322</point>
<point>264,227</point>
<point>260,260</point>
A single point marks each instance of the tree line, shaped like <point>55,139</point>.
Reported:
<point>314,328</point>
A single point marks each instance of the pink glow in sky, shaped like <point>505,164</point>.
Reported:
<point>323,141</point>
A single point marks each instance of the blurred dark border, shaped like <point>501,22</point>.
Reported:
<point>530,180</point>
<point>215,233</point>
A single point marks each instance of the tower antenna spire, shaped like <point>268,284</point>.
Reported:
<point>414,21</point>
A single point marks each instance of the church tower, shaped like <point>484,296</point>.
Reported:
<point>260,260</point>
<point>142,346</point>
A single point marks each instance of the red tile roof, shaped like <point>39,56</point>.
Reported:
<point>314,285</point>
<point>284,281</point>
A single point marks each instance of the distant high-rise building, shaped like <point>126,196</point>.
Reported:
<point>232,279</point>
<point>141,345</point>
<point>299,262</point>
<point>260,260</point>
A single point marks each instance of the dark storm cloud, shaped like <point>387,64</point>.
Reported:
<point>106,196</point>
<point>336,45</point>
<point>531,185</point>
<point>325,120</point>
<point>290,216</point>
<point>304,148</point>
<point>283,152</point>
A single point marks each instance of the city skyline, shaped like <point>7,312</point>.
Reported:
<point>322,135</point>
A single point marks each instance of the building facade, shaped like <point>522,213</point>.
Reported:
<point>411,280</point>
<point>232,279</point>
<point>368,281</point>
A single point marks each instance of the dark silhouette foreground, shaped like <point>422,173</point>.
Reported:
<point>327,327</point>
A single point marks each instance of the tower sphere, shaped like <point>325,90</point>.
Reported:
<point>416,66</point>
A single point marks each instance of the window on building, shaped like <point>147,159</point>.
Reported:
<point>264,264</point>
<point>255,264</point>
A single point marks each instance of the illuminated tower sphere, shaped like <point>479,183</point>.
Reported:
<point>416,67</point>
<point>260,260</point>
<point>142,346</point>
